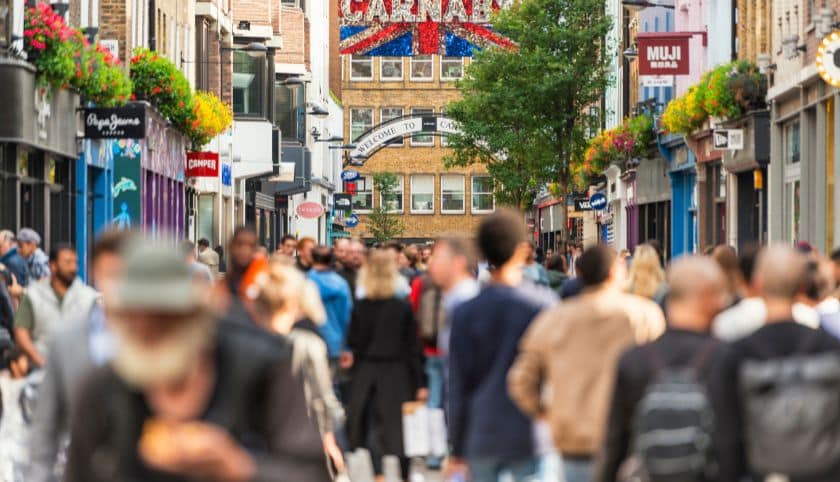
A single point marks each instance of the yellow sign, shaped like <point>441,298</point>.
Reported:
<point>828,59</point>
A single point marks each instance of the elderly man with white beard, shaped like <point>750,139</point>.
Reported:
<point>185,397</point>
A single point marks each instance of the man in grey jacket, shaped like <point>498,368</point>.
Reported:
<point>73,351</point>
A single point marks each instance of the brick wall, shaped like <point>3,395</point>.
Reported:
<point>754,28</point>
<point>115,24</point>
<point>335,57</point>
<point>258,12</point>
<point>407,160</point>
<point>295,37</point>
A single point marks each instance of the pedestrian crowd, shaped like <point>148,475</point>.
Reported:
<point>183,362</point>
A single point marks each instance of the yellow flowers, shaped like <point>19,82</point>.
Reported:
<point>210,118</point>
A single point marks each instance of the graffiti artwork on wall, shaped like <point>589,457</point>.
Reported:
<point>125,191</point>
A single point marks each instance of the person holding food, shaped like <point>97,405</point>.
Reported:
<point>187,398</point>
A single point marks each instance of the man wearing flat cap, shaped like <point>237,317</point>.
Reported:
<point>29,246</point>
<point>185,397</point>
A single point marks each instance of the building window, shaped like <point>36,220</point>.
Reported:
<point>451,68</point>
<point>390,113</point>
<point>792,210</point>
<point>393,202</point>
<point>391,68</point>
<point>422,139</point>
<point>452,193</point>
<point>719,205</point>
<point>248,74</point>
<point>482,194</point>
<point>361,68</point>
<point>791,138</point>
<point>361,121</point>
<point>294,4</point>
<point>422,194</point>
<point>289,111</point>
<point>363,199</point>
<point>422,68</point>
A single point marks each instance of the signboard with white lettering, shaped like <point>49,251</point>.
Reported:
<point>582,205</point>
<point>731,139</point>
<point>598,201</point>
<point>399,128</point>
<point>656,80</point>
<point>663,53</point>
<point>127,122</point>
<point>202,164</point>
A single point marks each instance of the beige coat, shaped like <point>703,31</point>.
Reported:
<point>566,367</point>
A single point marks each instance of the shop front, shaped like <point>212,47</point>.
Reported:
<point>38,153</point>
<point>550,223</point>
<point>712,227</point>
<point>683,175</point>
<point>613,217</point>
<point>653,203</point>
<point>747,167</point>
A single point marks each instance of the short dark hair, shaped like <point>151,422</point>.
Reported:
<point>556,263</point>
<point>243,229</point>
<point>204,242</point>
<point>595,265</point>
<point>59,248</point>
<point>322,255</point>
<point>395,245</point>
<point>747,260</point>
<point>835,255</point>
<point>111,241</point>
<point>461,246</point>
<point>287,237</point>
<point>499,236</point>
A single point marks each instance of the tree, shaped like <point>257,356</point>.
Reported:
<point>525,112</point>
<point>383,223</point>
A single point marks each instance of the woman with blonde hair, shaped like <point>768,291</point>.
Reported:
<point>288,304</point>
<point>647,278</point>
<point>387,364</point>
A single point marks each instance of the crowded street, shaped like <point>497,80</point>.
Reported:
<point>419,241</point>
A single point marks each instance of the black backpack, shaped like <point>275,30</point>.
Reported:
<point>791,412</point>
<point>673,422</point>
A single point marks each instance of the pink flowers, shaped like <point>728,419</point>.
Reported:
<point>36,44</point>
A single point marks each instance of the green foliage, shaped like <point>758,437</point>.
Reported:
<point>726,92</point>
<point>158,80</point>
<point>524,112</point>
<point>383,224</point>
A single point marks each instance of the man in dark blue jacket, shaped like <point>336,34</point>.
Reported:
<point>488,434</point>
<point>10,257</point>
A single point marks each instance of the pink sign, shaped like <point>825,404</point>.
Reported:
<point>310,210</point>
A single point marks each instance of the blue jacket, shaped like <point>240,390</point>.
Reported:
<point>483,421</point>
<point>338,303</point>
<point>15,263</point>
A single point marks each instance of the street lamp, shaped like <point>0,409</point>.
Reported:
<point>253,49</point>
<point>631,53</point>
<point>331,139</point>
<point>318,111</point>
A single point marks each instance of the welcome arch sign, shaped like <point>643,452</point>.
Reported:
<point>407,126</point>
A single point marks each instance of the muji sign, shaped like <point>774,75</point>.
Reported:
<point>663,53</point>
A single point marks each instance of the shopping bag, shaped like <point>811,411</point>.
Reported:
<point>416,440</point>
<point>437,432</point>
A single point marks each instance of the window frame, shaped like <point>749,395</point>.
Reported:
<point>412,210</point>
<point>451,59</point>
<point>261,77</point>
<point>382,77</point>
<point>463,209</point>
<point>473,194</point>
<point>382,119</point>
<point>431,141</point>
<point>372,121</point>
<point>401,193</point>
<point>354,58</point>
<point>367,192</point>
<point>414,60</point>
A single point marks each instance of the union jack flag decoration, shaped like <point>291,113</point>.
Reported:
<point>401,28</point>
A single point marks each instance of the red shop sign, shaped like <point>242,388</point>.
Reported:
<point>202,164</point>
<point>663,53</point>
<point>310,210</point>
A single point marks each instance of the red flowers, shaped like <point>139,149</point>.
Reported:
<point>156,90</point>
<point>181,104</point>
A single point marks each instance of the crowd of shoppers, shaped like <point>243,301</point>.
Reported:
<point>178,363</point>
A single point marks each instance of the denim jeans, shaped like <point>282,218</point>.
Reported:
<point>490,469</point>
<point>434,372</point>
<point>577,469</point>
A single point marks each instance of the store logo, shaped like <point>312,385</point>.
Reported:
<point>663,53</point>
<point>828,59</point>
<point>127,122</point>
<point>202,164</point>
<point>598,201</point>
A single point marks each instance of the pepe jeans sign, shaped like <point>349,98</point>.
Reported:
<point>202,164</point>
<point>663,53</point>
<point>127,122</point>
<point>387,131</point>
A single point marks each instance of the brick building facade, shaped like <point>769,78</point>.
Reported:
<point>434,200</point>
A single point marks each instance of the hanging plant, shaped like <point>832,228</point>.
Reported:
<point>210,117</point>
<point>157,79</point>
<point>50,45</point>
<point>632,139</point>
<point>106,83</point>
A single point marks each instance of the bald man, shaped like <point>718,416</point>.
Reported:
<point>698,291</point>
<point>764,375</point>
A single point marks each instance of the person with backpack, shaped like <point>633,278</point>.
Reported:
<point>648,413</point>
<point>777,391</point>
<point>573,348</point>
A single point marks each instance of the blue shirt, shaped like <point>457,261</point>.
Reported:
<point>15,263</point>
<point>100,340</point>
<point>484,421</point>
<point>338,303</point>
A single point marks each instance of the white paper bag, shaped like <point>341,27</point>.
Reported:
<point>416,441</point>
<point>437,432</point>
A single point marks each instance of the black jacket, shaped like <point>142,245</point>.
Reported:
<point>675,348</point>
<point>256,399</point>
